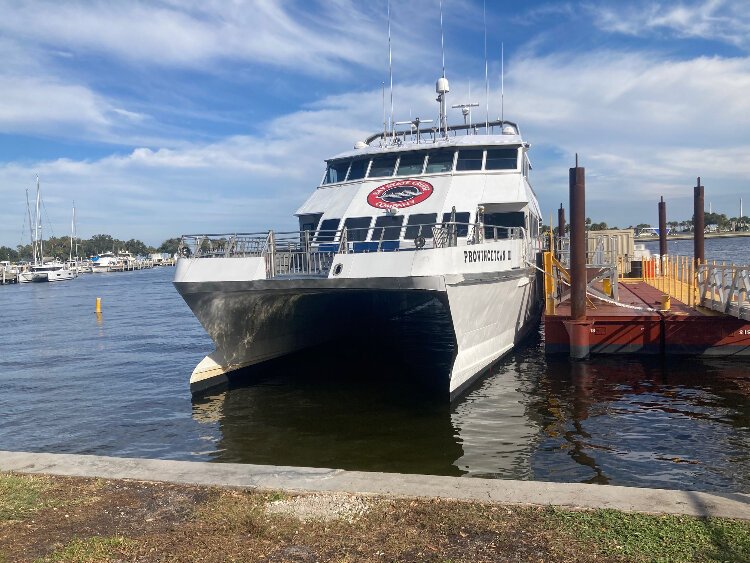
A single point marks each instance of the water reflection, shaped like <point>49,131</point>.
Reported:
<point>625,421</point>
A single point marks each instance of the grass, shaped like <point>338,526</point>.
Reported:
<point>106,520</point>
<point>20,495</point>
<point>643,537</point>
<point>89,550</point>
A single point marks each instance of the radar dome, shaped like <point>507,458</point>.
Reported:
<point>360,145</point>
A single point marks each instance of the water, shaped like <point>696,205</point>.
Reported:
<point>736,249</point>
<point>118,385</point>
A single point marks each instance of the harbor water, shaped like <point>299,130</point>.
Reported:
<point>117,384</point>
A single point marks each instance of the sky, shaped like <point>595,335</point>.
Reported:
<point>173,117</point>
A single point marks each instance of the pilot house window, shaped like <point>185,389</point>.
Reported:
<point>439,161</point>
<point>336,172</point>
<point>502,159</point>
<point>383,166</point>
<point>469,160</point>
<point>358,169</point>
<point>411,164</point>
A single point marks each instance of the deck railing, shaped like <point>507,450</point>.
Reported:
<point>300,253</point>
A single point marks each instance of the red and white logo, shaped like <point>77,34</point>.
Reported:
<point>401,193</point>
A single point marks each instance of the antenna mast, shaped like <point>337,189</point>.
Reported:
<point>502,84</point>
<point>486,74</point>
<point>442,87</point>
<point>390,62</point>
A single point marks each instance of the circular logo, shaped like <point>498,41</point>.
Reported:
<point>401,193</point>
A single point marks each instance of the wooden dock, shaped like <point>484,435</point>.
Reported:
<point>7,278</point>
<point>637,325</point>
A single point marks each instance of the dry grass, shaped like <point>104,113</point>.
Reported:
<point>82,520</point>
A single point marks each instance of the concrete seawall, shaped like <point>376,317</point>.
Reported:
<point>307,479</point>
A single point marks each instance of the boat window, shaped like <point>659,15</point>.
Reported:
<point>382,166</point>
<point>439,161</point>
<point>462,218</point>
<point>502,159</point>
<point>411,164</point>
<point>358,169</point>
<point>356,228</point>
<point>387,227</point>
<point>469,160</point>
<point>327,230</point>
<point>420,224</point>
<point>507,219</point>
<point>336,172</point>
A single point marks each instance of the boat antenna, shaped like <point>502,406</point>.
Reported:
<point>442,87</point>
<point>390,61</point>
<point>502,84</point>
<point>385,129</point>
<point>486,74</point>
<point>442,41</point>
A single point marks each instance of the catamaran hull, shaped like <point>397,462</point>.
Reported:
<point>251,322</point>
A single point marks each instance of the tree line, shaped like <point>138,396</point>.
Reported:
<point>59,247</point>
<point>722,222</point>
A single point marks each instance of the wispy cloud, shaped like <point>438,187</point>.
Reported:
<point>718,20</point>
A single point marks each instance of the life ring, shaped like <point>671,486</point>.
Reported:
<point>419,241</point>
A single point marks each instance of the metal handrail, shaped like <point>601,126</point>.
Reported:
<point>312,252</point>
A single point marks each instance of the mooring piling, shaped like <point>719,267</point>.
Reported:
<point>699,223</point>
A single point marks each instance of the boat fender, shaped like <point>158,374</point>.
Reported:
<point>419,242</point>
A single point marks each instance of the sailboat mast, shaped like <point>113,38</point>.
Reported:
<point>39,231</point>
<point>72,232</point>
<point>31,229</point>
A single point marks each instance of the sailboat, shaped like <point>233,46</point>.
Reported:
<point>41,270</point>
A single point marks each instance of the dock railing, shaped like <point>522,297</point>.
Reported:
<point>719,286</point>
<point>311,253</point>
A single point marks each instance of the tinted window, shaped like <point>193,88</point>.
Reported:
<point>388,227</point>
<point>336,172</point>
<point>439,161</point>
<point>356,228</point>
<point>415,226</point>
<point>462,217</point>
<point>411,164</point>
<point>382,166</point>
<point>469,160</point>
<point>358,169</point>
<point>508,219</point>
<point>327,230</point>
<point>501,159</point>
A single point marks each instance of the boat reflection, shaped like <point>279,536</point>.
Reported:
<point>625,421</point>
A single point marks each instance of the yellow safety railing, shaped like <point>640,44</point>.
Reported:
<point>674,276</point>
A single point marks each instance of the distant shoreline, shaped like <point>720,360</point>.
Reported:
<point>689,236</point>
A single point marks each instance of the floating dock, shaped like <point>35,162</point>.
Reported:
<point>637,324</point>
<point>598,300</point>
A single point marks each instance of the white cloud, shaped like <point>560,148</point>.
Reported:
<point>719,20</point>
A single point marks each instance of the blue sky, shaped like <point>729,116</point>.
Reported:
<point>163,118</point>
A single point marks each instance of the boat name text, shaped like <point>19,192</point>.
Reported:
<point>485,256</point>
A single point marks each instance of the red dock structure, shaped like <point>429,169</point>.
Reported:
<point>637,325</point>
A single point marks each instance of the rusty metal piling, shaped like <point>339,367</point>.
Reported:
<point>699,223</point>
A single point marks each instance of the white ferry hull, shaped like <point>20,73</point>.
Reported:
<point>251,322</point>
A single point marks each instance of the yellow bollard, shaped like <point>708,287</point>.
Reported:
<point>666,302</point>
<point>99,305</point>
<point>607,286</point>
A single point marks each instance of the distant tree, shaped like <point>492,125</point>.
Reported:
<point>598,226</point>
<point>169,246</point>
<point>138,248</point>
<point>7,253</point>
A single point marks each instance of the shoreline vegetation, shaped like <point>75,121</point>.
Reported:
<point>52,518</point>
<point>60,247</point>
<point>689,236</point>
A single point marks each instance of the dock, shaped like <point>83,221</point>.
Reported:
<point>7,278</point>
<point>638,324</point>
<point>600,300</point>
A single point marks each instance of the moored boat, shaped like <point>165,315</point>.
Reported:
<point>441,217</point>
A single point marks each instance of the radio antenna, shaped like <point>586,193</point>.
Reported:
<point>486,75</point>
<point>390,61</point>
<point>385,130</point>
<point>502,84</point>
<point>442,42</point>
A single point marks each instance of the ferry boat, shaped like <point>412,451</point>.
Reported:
<point>440,216</point>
